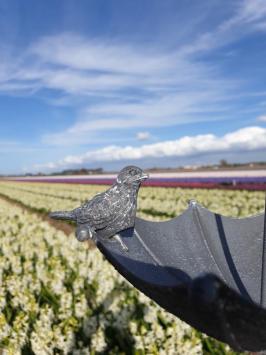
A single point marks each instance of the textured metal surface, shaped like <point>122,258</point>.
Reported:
<point>263,276</point>
<point>205,268</point>
<point>202,267</point>
<point>109,212</point>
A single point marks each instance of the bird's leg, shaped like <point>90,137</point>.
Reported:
<point>120,241</point>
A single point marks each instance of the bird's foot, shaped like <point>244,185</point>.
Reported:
<point>120,241</point>
<point>85,233</point>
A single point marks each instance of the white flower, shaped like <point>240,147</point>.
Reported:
<point>67,294</point>
<point>98,343</point>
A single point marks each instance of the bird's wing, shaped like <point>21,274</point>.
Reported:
<point>98,212</point>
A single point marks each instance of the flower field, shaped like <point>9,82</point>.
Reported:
<point>58,296</point>
<point>153,203</point>
<point>214,179</point>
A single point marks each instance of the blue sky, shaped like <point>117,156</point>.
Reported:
<point>149,82</point>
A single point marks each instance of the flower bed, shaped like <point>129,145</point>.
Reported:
<point>59,296</point>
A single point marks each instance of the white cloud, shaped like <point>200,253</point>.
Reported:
<point>174,87</point>
<point>79,65</point>
<point>119,85</point>
<point>252,11</point>
<point>262,118</point>
<point>143,136</point>
<point>98,55</point>
<point>243,140</point>
<point>249,16</point>
<point>149,90</point>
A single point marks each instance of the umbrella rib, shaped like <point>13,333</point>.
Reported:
<point>234,273</point>
<point>263,271</point>
<point>153,256</point>
<point>147,249</point>
<point>205,240</point>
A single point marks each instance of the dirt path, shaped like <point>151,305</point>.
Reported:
<point>62,226</point>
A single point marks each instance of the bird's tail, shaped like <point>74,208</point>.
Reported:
<point>65,215</point>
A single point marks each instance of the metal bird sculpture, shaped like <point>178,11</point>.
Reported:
<point>109,212</point>
<point>207,269</point>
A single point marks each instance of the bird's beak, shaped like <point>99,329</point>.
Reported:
<point>65,215</point>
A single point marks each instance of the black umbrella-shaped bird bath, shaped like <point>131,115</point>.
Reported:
<point>207,269</point>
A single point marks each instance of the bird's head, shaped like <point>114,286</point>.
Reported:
<point>131,175</point>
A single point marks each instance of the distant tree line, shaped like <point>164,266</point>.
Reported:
<point>81,171</point>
